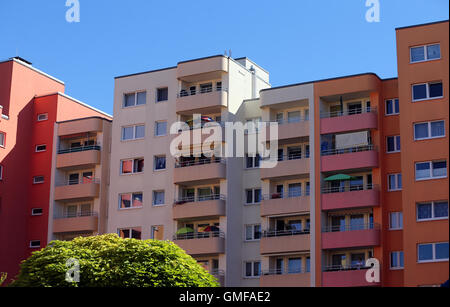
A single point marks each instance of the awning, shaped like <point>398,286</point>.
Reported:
<point>341,177</point>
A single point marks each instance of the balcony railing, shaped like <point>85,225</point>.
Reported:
<point>291,121</point>
<point>285,195</point>
<point>289,157</point>
<point>181,164</point>
<point>351,267</point>
<point>191,199</point>
<point>283,272</point>
<point>205,90</point>
<point>79,149</point>
<point>283,233</point>
<point>354,227</point>
<point>332,152</point>
<point>75,215</point>
<point>78,181</point>
<point>199,235</point>
<point>351,188</point>
<point>348,112</point>
<point>217,272</point>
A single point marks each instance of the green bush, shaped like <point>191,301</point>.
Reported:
<point>110,261</point>
<point>2,278</point>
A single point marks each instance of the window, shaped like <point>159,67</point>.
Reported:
<point>131,200</point>
<point>432,211</point>
<point>158,198</point>
<point>294,117</point>
<point>429,130</point>
<point>395,182</point>
<point>41,148</point>
<point>160,163</point>
<point>2,139</point>
<point>132,166</point>
<point>295,190</point>
<point>252,162</point>
<point>1,172</point>
<point>35,244</point>
<point>294,265</point>
<point>253,196</point>
<point>130,233</point>
<point>162,94</point>
<point>133,132</point>
<point>393,144</point>
<point>160,128</point>
<point>157,233</point>
<point>253,125</point>
<point>38,179</point>
<point>397,260</point>
<point>425,53</point>
<point>252,269</point>
<point>392,107</point>
<point>433,252</point>
<point>426,91</point>
<point>37,211</point>
<point>42,117</point>
<point>252,232</point>
<point>431,170</point>
<point>134,99</point>
<point>396,220</point>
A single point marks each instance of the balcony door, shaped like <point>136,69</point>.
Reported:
<point>354,108</point>
<point>338,223</point>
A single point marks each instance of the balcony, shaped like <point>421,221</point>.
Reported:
<point>353,276</point>
<point>277,204</point>
<point>205,206</point>
<point>349,236</point>
<point>80,126</point>
<point>78,190</point>
<point>196,172</point>
<point>81,222</point>
<point>348,121</point>
<point>288,166</point>
<point>350,197</point>
<point>291,130</point>
<point>349,158</point>
<point>202,69</point>
<point>201,243</point>
<point>197,136</point>
<point>201,101</point>
<point>79,157</point>
<point>276,278</point>
<point>284,241</point>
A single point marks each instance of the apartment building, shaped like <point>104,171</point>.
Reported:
<point>32,102</point>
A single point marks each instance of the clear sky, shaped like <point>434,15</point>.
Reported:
<point>295,40</point>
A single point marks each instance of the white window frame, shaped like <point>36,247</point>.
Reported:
<point>154,163</point>
<point>431,170</point>
<point>37,214</point>
<point>395,144</point>
<point>399,219</point>
<point>31,246</point>
<point>45,115</point>
<point>134,133</point>
<point>132,171</point>
<point>37,150</point>
<point>154,204</point>
<point>397,254</point>
<point>432,203</point>
<point>253,276</point>
<point>156,128</point>
<point>132,194</point>
<point>393,100</point>
<point>161,88</point>
<point>253,196</point>
<point>3,138</point>
<point>135,99</point>
<point>131,231</point>
<point>434,253</point>
<point>1,172</point>
<point>38,182</point>
<point>425,53</point>
<point>396,177</point>
<point>253,226</point>
<point>427,91</point>
<point>429,131</point>
<point>254,159</point>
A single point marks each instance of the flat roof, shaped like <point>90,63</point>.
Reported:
<point>27,64</point>
<point>422,24</point>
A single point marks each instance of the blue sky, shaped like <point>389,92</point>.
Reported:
<point>295,40</point>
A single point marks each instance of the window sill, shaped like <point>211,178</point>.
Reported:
<point>393,114</point>
<point>431,261</point>
<point>395,229</point>
<point>133,107</point>
<point>432,220</point>
<point>432,178</point>
<point>428,99</point>
<point>128,209</point>
<point>431,138</point>
<point>424,61</point>
<point>396,269</point>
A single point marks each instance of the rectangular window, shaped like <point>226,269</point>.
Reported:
<point>392,106</point>
<point>131,200</point>
<point>295,190</point>
<point>432,252</point>
<point>429,130</point>
<point>393,144</point>
<point>437,210</point>
<point>394,182</point>
<point>38,179</point>
<point>252,162</point>
<point>37,211</point>
<point>396,220</point>
<point>252,232</point>
<point>160,163</point>
<point>253,196</point>
<point>130,233</point>
<point>1,172</point>
<point>425,53</point>
<point>431,170</point>
<point>427,91</point>
<point>252,269</point>
<point>134,99</point>
<point>294,265</point>
<point>35,244</point>
<point>158,198</point>
<point>160,128</point>
<point>162,94</point>
<point>42,117</point>
<point>41,148</point>
<point>397,260</point>
<point>294,117</point>
<point>157,232</point>
<point>2,139</point>
<point>132,166</point>
<point>133,132</point>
